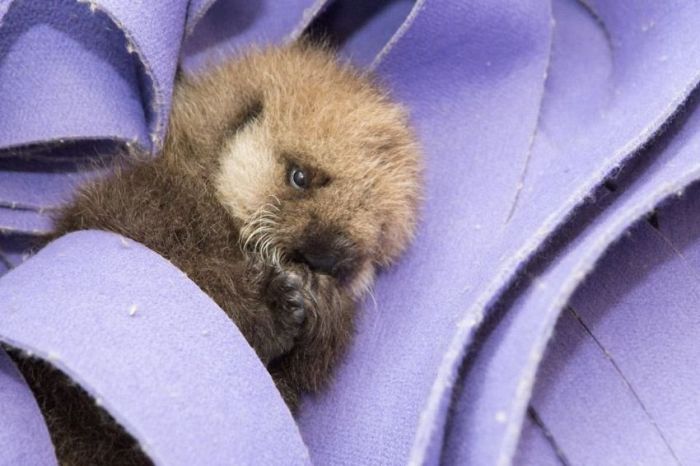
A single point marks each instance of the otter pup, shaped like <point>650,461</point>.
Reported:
<point>285,181</point>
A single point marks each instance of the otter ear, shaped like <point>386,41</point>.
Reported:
<point>250,110</point>
<point>209,108</point>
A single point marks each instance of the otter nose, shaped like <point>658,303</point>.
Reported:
<point>326,252</point>
<point>321,260</point>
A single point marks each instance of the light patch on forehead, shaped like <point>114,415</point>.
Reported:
<point>247,172</point>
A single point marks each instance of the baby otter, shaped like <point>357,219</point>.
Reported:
<point>285,182</point>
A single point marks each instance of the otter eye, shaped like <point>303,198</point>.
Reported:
<point>298,179</point>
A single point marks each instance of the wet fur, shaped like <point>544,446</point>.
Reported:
<point>217,203</point>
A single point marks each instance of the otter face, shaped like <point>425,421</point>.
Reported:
<point>320,168</point>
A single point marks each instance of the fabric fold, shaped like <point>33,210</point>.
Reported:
<point>638,313</point>
<point>222,28</point>
<point>151,348</point>
<point>24,440</point>
<point>504,360</point>
<point>63,45</point>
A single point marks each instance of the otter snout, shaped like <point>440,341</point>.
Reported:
<point>329,252</point>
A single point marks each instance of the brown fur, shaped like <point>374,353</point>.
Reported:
<point>218,203</point>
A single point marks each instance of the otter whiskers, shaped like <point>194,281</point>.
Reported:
<point>258,233</point>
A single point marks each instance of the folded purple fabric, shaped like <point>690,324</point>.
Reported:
<point>651,371</point>
<point>47,45</point>
<point>510,356</point>
<point>550,129</point>
<point>23,433</point>
<point>146,343</point>
<point>219,28</point>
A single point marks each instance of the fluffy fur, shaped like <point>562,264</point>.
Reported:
<point>287,264</point>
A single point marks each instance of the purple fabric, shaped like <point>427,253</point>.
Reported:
<point>24,221</point>
<point>653,366</point>
<point>21,424</point>
<point>224,26</point>
<point>502,374</point>
<point>59,44</point>
<point>15,249</point>
<point>535,447</point>
<point>550,129</point>
<point>18,189</point>
<point>363,28</point>
<point>138,360</point>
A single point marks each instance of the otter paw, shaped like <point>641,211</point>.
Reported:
<point>285,294</point>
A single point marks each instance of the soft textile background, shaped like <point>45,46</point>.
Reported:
<point>545,315</point>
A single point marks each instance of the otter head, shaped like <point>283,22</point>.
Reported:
<point>315,163</point>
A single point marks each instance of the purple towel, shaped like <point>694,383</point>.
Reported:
<point>543,315</point>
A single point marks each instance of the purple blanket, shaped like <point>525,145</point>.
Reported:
<point>546,313</point>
